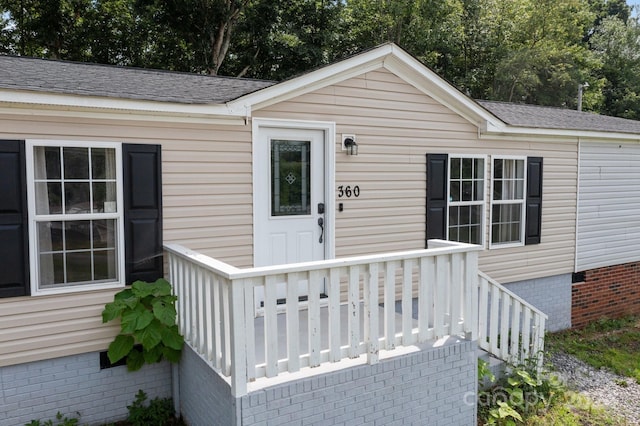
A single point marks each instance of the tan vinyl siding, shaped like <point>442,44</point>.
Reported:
<point>207,206</point>
<point>36,328</point>
<point>396,126</point>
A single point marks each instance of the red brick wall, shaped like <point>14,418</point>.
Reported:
<point>613,291</point>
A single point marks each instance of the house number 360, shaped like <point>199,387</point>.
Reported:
<point>348,191</point>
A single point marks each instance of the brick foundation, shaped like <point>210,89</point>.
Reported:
<point>612,291</point>
<point>76,387</point>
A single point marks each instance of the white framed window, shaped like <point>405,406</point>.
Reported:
<point>76,227</point>
<point>508,183</point>
<point>465,192</point>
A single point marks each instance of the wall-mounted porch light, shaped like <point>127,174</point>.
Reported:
<point>349,144</point>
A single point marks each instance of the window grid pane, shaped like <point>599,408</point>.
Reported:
<point>70,181</point>
<point>508,179</point>
<point>77,251</point>
<point>77,192</point>
<point>507,201</point>
<point>466,195</point>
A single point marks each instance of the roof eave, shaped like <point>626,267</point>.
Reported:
<point>122,108</point>
<point>506,130</point>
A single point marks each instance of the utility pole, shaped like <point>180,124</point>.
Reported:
<point>581,88</point>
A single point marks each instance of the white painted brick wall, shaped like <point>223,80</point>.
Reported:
<point>435,386</point>
<point>552,295</point>
<point>205,398</point>
<point>426,387</point>
<point>76,387</point>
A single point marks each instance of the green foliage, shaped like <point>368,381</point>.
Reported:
<point>575,410</point>
<point>59,421</point>
<point>610,343</point>
<point>147,317</point>
<point>158,412</point>
<point>523,392</point>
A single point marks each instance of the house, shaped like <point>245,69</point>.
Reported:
<point>304,227</point>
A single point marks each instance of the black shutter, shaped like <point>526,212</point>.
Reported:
<point>14,233</point>
<point>436,196</point>
<point>533,225</point>
<point>142,172</point>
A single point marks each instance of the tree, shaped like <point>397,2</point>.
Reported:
<point>544,57</point>
<point>618,45</point>
<point>294,36</point>
<point>431,30</point>
<point>205,27</point>
<point>49,28</point>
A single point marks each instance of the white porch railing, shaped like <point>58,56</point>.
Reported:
<point>380,293</point>
<point>509,327</point>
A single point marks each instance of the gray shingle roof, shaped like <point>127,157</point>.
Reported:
<point>522,115</point>
<point>22,73</point>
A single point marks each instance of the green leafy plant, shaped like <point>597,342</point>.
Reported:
<point>522,392</point>
<point>159,412</point>
<point>60,421</point>
<point>147,317</point>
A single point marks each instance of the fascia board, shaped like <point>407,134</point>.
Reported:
<point>506,130</point>
<point>112,104</point>
<point>314,80</point>
<point>9,109</point>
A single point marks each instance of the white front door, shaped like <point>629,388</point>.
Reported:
<point>289,188</point>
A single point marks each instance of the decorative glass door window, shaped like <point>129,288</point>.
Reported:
<point>290,178</point>
<point>507,202</point>
<point>466,199</point>
<point>77,215</point>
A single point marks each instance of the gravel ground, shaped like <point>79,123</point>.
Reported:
<point>601,386</point>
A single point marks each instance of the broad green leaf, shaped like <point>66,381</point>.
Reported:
<point>161,288</point>
<point>126,298</point>
<point>141,289</point>
<point>152,355</point>
<point>513,381</point>
<point>135,360</point>
<point>151,335</point>
<point>111,311</point>
<point>131,302</point>
<point>505,411</point>
<point>164,312</point>
<point>527,378</point>
<point>171,355</point>
<point>136,319</point>
<point>119,348</point>
<point>516,396</point>
<point>124,294</point>
<point>171,337</point>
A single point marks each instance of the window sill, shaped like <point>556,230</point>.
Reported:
<point>506,245</point>
<point>76,289</point>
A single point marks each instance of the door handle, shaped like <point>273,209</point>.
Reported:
<point>321,224</point>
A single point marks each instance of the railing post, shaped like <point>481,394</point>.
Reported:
<point>238,339</point>
<point>371,314</point>
<point>471,320</point>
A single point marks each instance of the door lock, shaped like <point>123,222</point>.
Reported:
<point>320,208</point>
